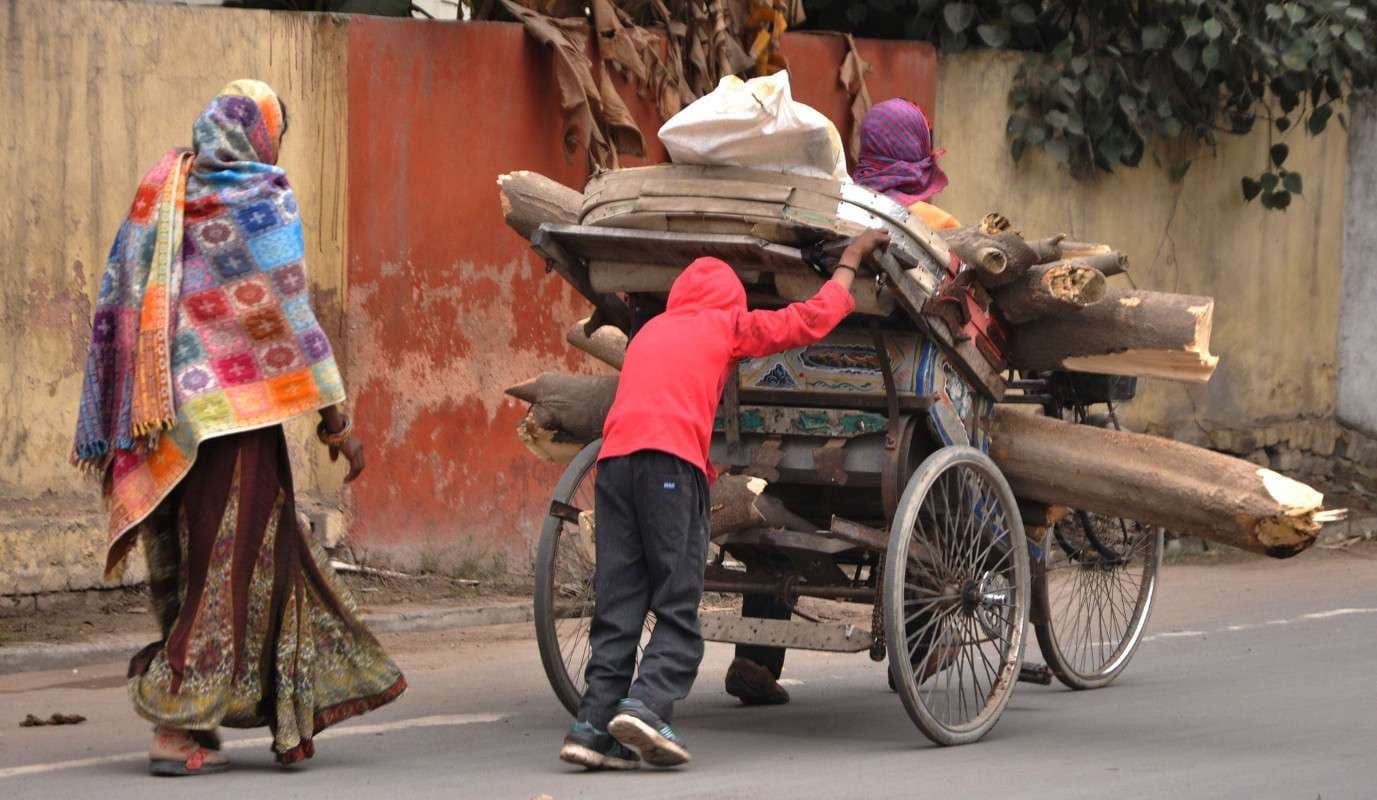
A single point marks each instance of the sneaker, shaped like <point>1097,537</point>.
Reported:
<point>641,729</point>
<point>754,685</point>
<point>591,748</point>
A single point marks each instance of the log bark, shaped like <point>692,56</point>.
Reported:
<point>738,502</point>
<point>574,405</point>
<point>1072,249</point>
<point>1048,249</point>
<point>999,256</point>
<point>1109,264</point>
<point>1057,288</point>
<point>530,199</point>
<point>1128,333</point>
<point>607,343</point>
<point>1156,481</point>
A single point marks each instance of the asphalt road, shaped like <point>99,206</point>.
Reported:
<point>1257,681</point>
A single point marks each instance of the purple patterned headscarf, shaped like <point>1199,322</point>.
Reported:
<point>896,157</point>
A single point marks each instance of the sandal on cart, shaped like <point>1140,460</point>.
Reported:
<point>176,754</point>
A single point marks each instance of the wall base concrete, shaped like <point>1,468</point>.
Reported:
<point>57,544</point>
<point>1357,403</point>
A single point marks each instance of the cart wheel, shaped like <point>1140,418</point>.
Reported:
<point>1094,595</point>
<point>956,608</point>
<point>564,592</point>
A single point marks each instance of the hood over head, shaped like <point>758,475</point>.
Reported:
<point>707,284</point>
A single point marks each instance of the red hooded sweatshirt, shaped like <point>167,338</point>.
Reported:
<point>678,364</point>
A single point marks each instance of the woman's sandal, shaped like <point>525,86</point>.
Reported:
<point>192,758</point>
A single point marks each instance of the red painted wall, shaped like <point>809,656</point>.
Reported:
<point>446,306</point>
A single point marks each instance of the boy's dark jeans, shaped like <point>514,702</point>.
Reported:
<point>651,512</point>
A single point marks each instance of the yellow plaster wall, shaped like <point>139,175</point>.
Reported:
<point>1275,276</point>
<point>93,92</point>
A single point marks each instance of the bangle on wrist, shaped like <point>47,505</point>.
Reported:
<point>845,266</point>
<point>335,438</point>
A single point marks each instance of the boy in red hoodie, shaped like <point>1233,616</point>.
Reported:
<point>651,502</point>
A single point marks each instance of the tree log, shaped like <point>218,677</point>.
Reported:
<point>530,199</point>
<point>1128,333</point>
<point>1156,481</point>
<point>1111,263</point>
<point>575,405</point>
<point>1048,249</point>
<point>1057,288</point>
<point>999,256</point>
<point>738,502</point>
<point>1070,249</point>
<point>548,444</point>
<point>607,343</point>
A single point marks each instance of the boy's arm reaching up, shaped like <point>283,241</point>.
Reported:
<point>760,333</point>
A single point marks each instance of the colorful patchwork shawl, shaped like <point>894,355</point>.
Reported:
<point>896,157</point>
<point>204,325</point>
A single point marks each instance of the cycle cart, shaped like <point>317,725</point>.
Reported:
<point>876,440</point>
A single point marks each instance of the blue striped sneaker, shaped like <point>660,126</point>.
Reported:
<point>641,729</point>
<point>591,748</point>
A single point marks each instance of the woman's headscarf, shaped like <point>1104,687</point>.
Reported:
<point>203,327</point>
<point>897,158</point>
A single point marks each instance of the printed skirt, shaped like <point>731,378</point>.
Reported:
<point>257,630</point>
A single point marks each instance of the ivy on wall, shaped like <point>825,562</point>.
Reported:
<point>1103,79</point>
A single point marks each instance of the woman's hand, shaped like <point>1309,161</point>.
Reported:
<point>352,450</point>
<point>862,246</point>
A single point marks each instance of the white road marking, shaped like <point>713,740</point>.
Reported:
<point>266,741</point>
<point>1338,612</point>
<point>1314,615</point>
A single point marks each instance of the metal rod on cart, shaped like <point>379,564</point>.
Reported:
<point>863,593</point>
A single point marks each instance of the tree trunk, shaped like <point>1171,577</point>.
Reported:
<point>1156,481</point>
<point>999,256</point>
<point>1128,333</point>
<point>530,199</point>
<point>607,344</point>
<point>575,405</point>
<point>1058,288</point>
<point>738,502</point>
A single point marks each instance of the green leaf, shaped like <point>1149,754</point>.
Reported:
<point>1070,85</point>
<point>1210,55</point>
<point>1179,171</point>
<point>1171,127</point>
<point>1274,13</point>
<point>1251,189</point>
<point>1080,64</point>
<point>1191,26</point>
<point>1023,14</point>
<point>1016,125</point>
<point>1319,118</point>
<point>1129,106</point>
<point>995,36</point>
<point>1036,133</point>
<point>1279,152</point>
<point>1283,123</point>
<point>1279,200</point>
<point>1057,119</point>
<point>1295,11</point>
<point>1269,181</point>
<point>1184,57</point>
<point>1155,37</point>
<point>1357,13</point>
<point>1292,182</point>
<point>1295,59</point>
<point>1096,85</point>
<point>1212,28</point>
<point>958,16</point>
<point>1354,39</point>
<point>1019,95</point>
<point>1074,125</point>
<point>1016,148</point>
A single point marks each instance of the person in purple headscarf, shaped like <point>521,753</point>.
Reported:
<point>897,159</point>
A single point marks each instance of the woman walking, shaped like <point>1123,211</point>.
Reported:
<point>203,344</point>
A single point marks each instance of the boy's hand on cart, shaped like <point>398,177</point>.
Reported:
<point>862,246</point>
